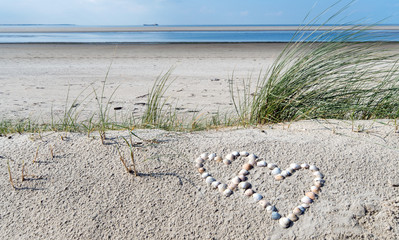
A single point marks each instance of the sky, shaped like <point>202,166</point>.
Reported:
<point>192,12</point>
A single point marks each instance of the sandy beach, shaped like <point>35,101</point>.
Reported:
<point>82,190</point>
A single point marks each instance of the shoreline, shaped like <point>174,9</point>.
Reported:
<point>77,29</point>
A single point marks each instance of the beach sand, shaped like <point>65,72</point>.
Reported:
<point>84,192</point>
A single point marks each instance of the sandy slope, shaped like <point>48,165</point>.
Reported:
<point>84,192</point>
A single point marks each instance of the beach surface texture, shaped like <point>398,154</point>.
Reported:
<point>71,186</point>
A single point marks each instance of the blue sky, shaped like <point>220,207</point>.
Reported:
<point>188,12</point>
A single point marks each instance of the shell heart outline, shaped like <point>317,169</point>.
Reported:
<point>241,182</point>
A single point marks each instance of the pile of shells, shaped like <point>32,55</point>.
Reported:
<point>240,182</point>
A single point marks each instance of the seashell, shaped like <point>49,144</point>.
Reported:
<point>287,171</point>
<point>227,192</point>
<point>285,222</point>
<point>293,217</point>
<point>244,185</point>
<point>232,186</point>
<point>272,166</point>
<point>271,208</point>
<point>199,160</point>
<point>318,174</point>
<point>247,166</point>
<point>210,180</point>
<point>230,157</point>
<point>279,177</point>
<point>236,154</point>
<point>313,168</point>
<point>264,203</point>
<point>311,195</point>
<point>249,192</point>
<point>243,178</point>
<point>244,154</point>
<point>315,189</point>
<point>276,171</point>
<point>218,159</point>
<point>204,156</point>
<point>291,170</point>
<point>257,197</point>
<point>261,163</point>
<point>236,180</point>
<point>318,182</point>
<point>252,162</point>
<point>305,166</point>
<point>252,156</point>
<point>276,216</point>
<point>295,166</point>
<point>305,205</point>
<point>298,210</point>
<point>215,184</point>
<point>199,165</point>
<point>222,187</point>
<point>306,199</point>
<point>201,170</point>
<point>205,175</point>
<point>284,173</point>
<point>227,161</point>
<point>243,172</point>
<point>211,156</point>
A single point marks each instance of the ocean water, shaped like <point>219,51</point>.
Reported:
<point>187,37</point>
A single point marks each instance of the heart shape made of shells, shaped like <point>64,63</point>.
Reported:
<point>241,182</point>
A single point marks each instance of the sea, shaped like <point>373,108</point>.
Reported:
<point>177,36</point>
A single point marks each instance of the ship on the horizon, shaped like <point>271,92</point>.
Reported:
<point>150,24</point>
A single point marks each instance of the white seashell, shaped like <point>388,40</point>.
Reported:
<point>305,166</point>
<point>211,156</point>
<point>290,170</point>
<point>261,164</point>
<point>232,186</point>
<point>276,171</point>
<point>284,173</point>
<point>243,172</point>
<point>204,156</point>
<point>295,166</point>
<point>210,180</point>
<point>313,168</point>
<point>311,195</point>
<point>252,156</point>
<point>318,174</point>
<point>205,175</point>
<point>305,205</point>
<point>270,208</point>
<point>272,166</point>
<point>315,189</point>
<point>293,217</point>
<point>244,154</point>
<point>227,192</point>
<point>249,192</point>
<point>199,160</point>
<point>222,187</point>
<point>285,222</point>
<point>244,185</point>
<point>199,165</point>
<point>236,180</point>
<point>264,203</point>
<point>227,161</point>
<point>230,157</point>
<point>252,162</point>
<point>215,184</point>
<point>318,182</point>
<point>218,159</point>
<point>236,154</point>
<point>257,197</point>
<point>243,178</point>
<point>306,199</point>
<point>298,210</point>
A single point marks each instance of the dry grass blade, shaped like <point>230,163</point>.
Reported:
<point>9,174</point>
